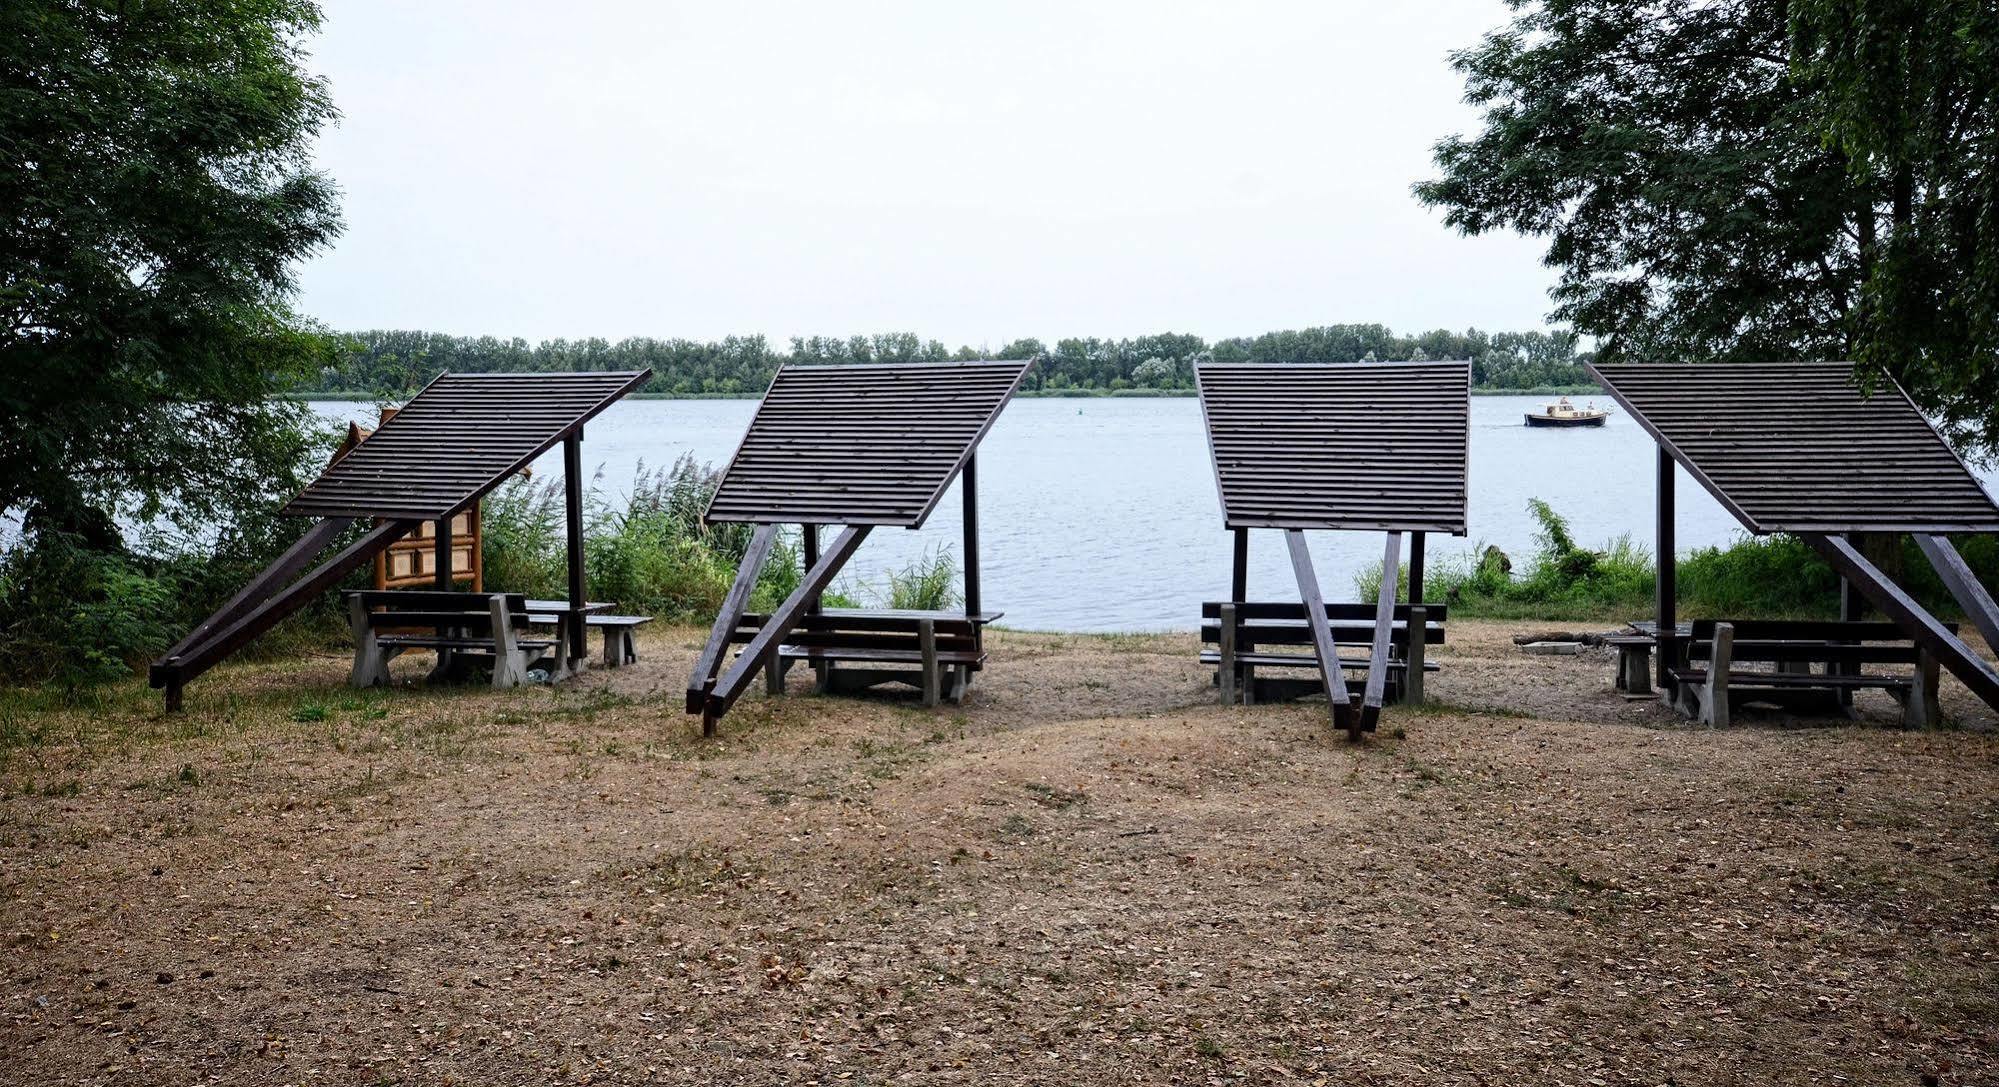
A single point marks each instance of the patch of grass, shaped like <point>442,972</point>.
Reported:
<point>1048,796</point>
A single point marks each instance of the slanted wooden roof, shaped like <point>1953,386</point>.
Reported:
<point>1795,447</point>
<point>1360,446</point>
<point>861,445</point>
<point>456,440</point>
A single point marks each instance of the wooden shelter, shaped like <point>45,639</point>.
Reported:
<point>857,447</point>
<point>455,441</point>
<point>1798,448</point>
<point>1350,447</point>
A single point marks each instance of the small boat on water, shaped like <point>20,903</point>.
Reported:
<point>1563,413</point>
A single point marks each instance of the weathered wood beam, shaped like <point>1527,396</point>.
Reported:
<point>572,493</point>
<point>1384,628</point>
<point>1666,576</point>
<point>1923,627</point>
<point>709,664</point>
<point>174,671</point>
<point>780,624</point>
<point>1344,716</point>
<point>281,570</point>
<point>1964,586</point>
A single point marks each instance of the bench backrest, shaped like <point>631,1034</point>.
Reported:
<point>1278,609</point>
<point>404,608</point>
<point>866,632</point>
<point>1284,624</point>
<point>1813,641</point>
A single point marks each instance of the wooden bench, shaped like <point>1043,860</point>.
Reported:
<point>1258,626</point>
<point>620,648</point>
<point>463,628</point>
<point>854,649</point>
<point>1845,654</point>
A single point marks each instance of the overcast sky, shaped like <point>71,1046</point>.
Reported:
<point>970,172</point>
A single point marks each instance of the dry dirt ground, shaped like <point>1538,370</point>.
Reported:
<point>1091,873</point>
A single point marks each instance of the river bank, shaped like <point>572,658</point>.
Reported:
<point>1090,873</point>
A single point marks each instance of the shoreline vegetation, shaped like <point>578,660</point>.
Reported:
<point>391,364</point>
<point>349,396</point>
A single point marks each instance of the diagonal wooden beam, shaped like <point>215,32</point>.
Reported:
<point>1384,626</point>
<point>1963,585</point>
<point>1899,606</point>
<point>281,570</point>
<point>780,625</point>
<point>733,606</point>
<point>173,671</point>
<point>1322,635</point>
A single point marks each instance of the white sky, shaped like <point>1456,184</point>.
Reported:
<point>969,172</point>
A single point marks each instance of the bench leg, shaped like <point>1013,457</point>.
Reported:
<point>926,640</point>
<point>508,668</point>
<point>961,684</point>
<point>1412,655</point>
<point>1919,708</point>
<point>773,671</point>
<point>614,654</point>
<point>371,668</point>
<point>1714,693</point>
<point>1225,673</point>
<point>822,677</point>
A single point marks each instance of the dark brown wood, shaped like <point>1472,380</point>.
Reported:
<point>1344,716</point>
<point>457,439</point>
<point>709,664</point>
<point>861,444</point>
<point>1797,447</point>
<point>440,555</point>
<point>1666,573</point>
<point>1355,446</point>
<point>572,489</point>
<point>1416,567</point>
<point>1957,576</point>
<point>281,570</point>
<point>737,679</point>
<point>1885,595</point>
<point>176,670</point>
<point>1239,569</point>
<point>808,535</point>
<point>968,478</point>
<point>1384,622</point>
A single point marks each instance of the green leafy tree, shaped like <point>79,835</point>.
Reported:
<point>1908,95</point>
<point>155,194</point>
<point>1742,179</point>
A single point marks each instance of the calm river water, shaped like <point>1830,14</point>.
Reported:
<point>1101,514</point>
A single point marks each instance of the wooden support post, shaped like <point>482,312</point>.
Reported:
<point>1883,593</point>
<point>1384,629</point>
<point>1227,670</point>
<point>1667,570</point>
<point>1964,586</point>
<point>715,653</point>
<point>508,668</point>
<point>808,538</point>
<point>1416,540</point>
<point>572,479</point>
<point>1344,715</point>
<point>1414,652</point>
<point>730,687</point>
<point>968,478</point>
<point>1239,572</point>
<point>926,641</point>
<point>440,555</point>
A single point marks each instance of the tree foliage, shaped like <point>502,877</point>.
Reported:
<point>1725,180</point>
<point>154,195</point>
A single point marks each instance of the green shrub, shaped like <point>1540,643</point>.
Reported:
<point>927,583</point>
<point>77,617</point>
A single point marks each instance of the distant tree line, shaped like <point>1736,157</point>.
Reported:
<point>387,363</point>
